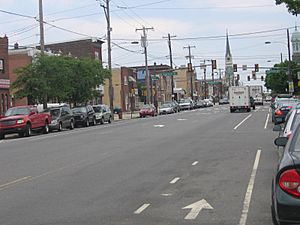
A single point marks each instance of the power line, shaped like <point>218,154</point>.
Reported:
<point>18,14</point>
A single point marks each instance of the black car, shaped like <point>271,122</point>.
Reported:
<point>84,116</point>
<point>62,117</point>
<point>286,182</point>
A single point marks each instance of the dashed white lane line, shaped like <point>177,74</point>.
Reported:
<point>3,186</point>
<point>248,195</point>
<point>236,127</point>
<point>195,163</point>
<point>141,209</point>
<point>267,120</point>
<point>174,181</point>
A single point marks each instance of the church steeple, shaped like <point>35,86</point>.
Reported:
<point>228,53</point>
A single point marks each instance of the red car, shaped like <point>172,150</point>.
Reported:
<point>148,110</point>
<point>23,120</point>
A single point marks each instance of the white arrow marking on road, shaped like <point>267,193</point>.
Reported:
<point>160,126</point>
<point>196,209</point>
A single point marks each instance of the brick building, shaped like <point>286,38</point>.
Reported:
<point>19,58</point>
<point>85,48</point>
<point>5,98</point>
<point>123,81</point>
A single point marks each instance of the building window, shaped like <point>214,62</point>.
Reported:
<point>1,65</point>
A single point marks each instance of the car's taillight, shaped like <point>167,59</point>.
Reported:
<point>278,112</point>
<point>290,182</point>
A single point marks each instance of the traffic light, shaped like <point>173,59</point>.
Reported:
<point>248,78</point>
<point>262,78</point>
<point>253,75</point>
<point>256,66</point>
<point>234,67</point>
<point>214,64</point>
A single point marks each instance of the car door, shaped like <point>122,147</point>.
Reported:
<point>90,112</point>
<point>65,117</point>
<point>34,118</point>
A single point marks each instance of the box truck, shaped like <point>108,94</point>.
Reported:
<point>256,92</point>
<point>239,98</point>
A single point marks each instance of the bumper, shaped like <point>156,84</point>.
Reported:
<point>54,126</point>
<point>287,208</point>
<point>13,129</point>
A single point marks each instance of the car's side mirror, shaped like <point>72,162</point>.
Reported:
<point>281,141</point>
<point>277,128</point>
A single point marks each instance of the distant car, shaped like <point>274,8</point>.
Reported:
<point>268,98</point>
<point>223,101</point>
<point>148,110</point>
<point>62,117</point>
<point>186,104</point>
<point>84,116</point>
<point>166,108</point>
<point>208,103</point>
<point>102,113</point>
<point>285,204</point>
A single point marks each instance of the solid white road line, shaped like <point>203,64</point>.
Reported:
<point>141,209</point>
<point>175,180</point>
<point>267,120</point>
<point>236,127</point>
<point>248,195</point>
<point>195,163</point>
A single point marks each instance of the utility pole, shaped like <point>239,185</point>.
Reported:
<point>171,61</point>
<point>110,88</point>
<point>42,43</point>
<point>190,68</point>
<point>41,21</point>
<point>220,87</point>
<point>290,79</point>
<point>144,45</point>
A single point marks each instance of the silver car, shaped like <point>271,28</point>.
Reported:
<point>102,113</point>
<point>166,108</point>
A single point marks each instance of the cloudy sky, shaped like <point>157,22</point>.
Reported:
<point>199,23</point>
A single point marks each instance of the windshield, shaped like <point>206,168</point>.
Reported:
<point>55,113</point>
<point>98,109</point>
<point>146,107</point>
<point>79,110</point>
<point>184,101</point>
<point>17,111</point>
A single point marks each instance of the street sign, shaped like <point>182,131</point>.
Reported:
<point>154,77</point>
<point>169,73</point>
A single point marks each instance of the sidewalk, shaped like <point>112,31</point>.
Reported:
<point>127,116</point>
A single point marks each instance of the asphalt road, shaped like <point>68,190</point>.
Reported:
<point>144,172</point>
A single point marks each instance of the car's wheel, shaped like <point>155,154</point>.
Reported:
<point>102,120</point>
<point>28,131</point>
<point>46,128</point>
<point>59,127</point>
<point>109,120</point>
<point>94,121</point>
<point>87,122</point>
<point>71,127</point>
<point>2,136</point>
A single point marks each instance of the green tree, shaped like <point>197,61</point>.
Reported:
<point>293,6</point>
<point>59,79</point>
<point>277,78</point>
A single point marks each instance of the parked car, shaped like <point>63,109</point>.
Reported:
<point>148,110</point>
<point>283,107</point>
<point>291,122</point>
<point>285,204</point>
<point>175,105</point>
<point>102,113</point>
<point>166,108</point>
<point>84,115</point>
<point>23,120</point>
<point>186,104</point>
<point>62,117</point>
<point>199,104</point>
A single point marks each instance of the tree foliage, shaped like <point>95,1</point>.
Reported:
<point>293,6</point>
<point>59,79</point>
<point>277,78</point>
